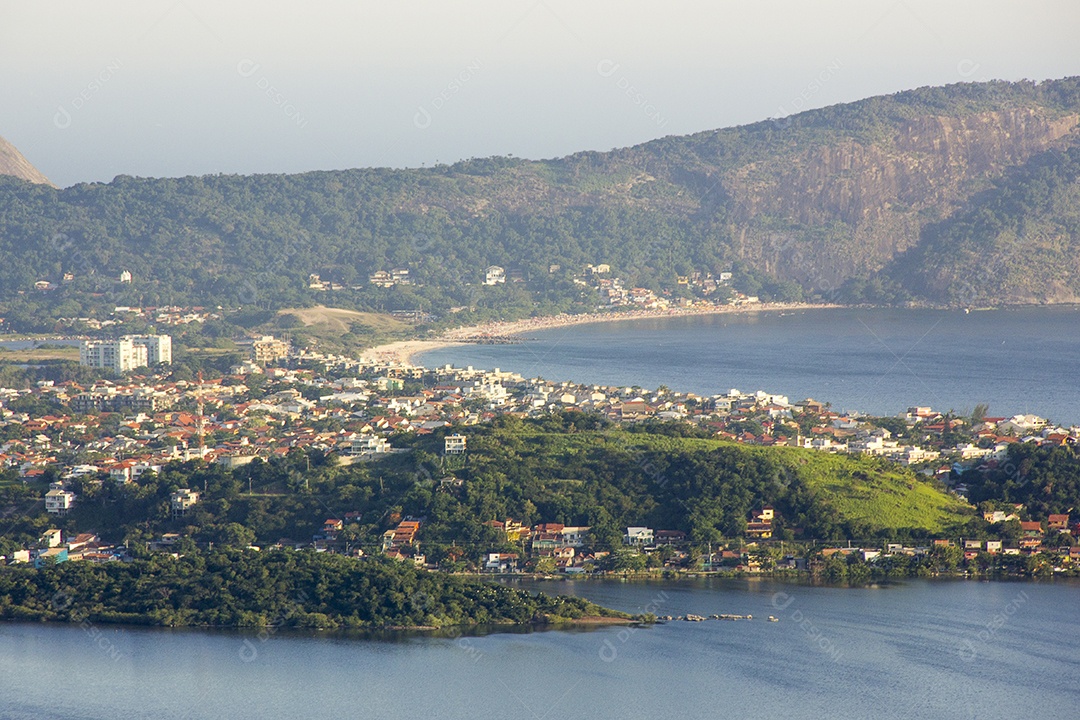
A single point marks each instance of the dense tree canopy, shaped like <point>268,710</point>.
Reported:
<point>272,589</point>
<point>739,199</point>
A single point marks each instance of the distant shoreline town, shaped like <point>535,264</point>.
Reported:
<point>290,394</point>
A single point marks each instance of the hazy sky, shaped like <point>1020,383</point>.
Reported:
<point>96,89</point>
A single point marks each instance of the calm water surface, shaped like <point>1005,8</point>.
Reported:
<point>908,651</point>
<point>877,361</point>
<point>33,344</point>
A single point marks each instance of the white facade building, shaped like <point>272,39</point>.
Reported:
<point>454,445</point>
<point>638,536</point>
<point>367,445</point>
<point>58,502</point>
<point>158,348</point>
<point>126,353</point>
<point>116,355</point>
<point>183,500</point>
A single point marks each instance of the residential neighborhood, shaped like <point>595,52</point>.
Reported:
<point>286,400</point>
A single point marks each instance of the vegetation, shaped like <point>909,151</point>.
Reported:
<point>573,468</point>
<point>1010,241</point>
<point>747,199</point>
<point>273,589</point>
<point>578,469</point>
<point>1046,479</point>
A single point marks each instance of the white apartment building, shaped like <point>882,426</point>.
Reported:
<point>126,353</point>
<point>158,348</point>
<point>117,355</point>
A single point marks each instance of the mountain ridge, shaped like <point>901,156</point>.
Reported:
<point>833,203</point>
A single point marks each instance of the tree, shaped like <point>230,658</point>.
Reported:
<point>234,535</point>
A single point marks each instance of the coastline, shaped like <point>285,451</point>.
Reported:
<point>404,351</point>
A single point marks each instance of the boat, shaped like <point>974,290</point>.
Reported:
<point>773,618</point>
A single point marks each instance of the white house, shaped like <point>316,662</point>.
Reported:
<point>454,445</point>
<point>575,536</point>
<point>58,502</point>
<point>501,562</point>
<point>493,392</point>
<point>52,538</point>
<point>638,536</point>
<point>1021,424</point>
<point>494,275</point>
<point>183,500</point>
<point>367,445</point>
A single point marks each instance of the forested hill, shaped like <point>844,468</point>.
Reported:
<point>963,194</point>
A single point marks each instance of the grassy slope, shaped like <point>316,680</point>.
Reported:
<point>858,488</point>
<point>894,498</point>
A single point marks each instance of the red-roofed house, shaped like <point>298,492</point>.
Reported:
<point>1058,523</point>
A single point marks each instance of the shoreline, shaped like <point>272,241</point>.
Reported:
<point>404,351</point>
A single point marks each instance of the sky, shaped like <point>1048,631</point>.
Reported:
<point>92,90</point>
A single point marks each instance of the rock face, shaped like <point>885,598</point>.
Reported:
<point>927,162</point>
<point>870,201</point>
<point>13,163</point>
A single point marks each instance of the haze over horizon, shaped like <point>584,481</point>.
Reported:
<point>271,88</point>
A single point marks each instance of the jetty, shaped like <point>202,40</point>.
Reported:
<point>701,618</point>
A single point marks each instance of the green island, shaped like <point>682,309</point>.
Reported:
<point>232,588</point>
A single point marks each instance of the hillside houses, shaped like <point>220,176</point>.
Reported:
<point>366,399</point>
<point>352,409</point>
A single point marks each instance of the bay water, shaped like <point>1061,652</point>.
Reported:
<point>916,649</point>
<point>879,361</point>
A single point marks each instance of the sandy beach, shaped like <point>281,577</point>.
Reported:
<point>517,327</point>
<point>403,351</point>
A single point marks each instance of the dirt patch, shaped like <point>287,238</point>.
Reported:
<point>341,321</point>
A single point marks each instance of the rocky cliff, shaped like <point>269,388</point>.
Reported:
<point>13,163</point>
<point>865,203</point>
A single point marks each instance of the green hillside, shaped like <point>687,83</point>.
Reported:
<point>825,204</point>
<point>874,494</point>
<point>556,470</point>
<point>1016,242</point>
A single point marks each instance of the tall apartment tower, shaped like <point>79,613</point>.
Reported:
<point>126,353</point>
